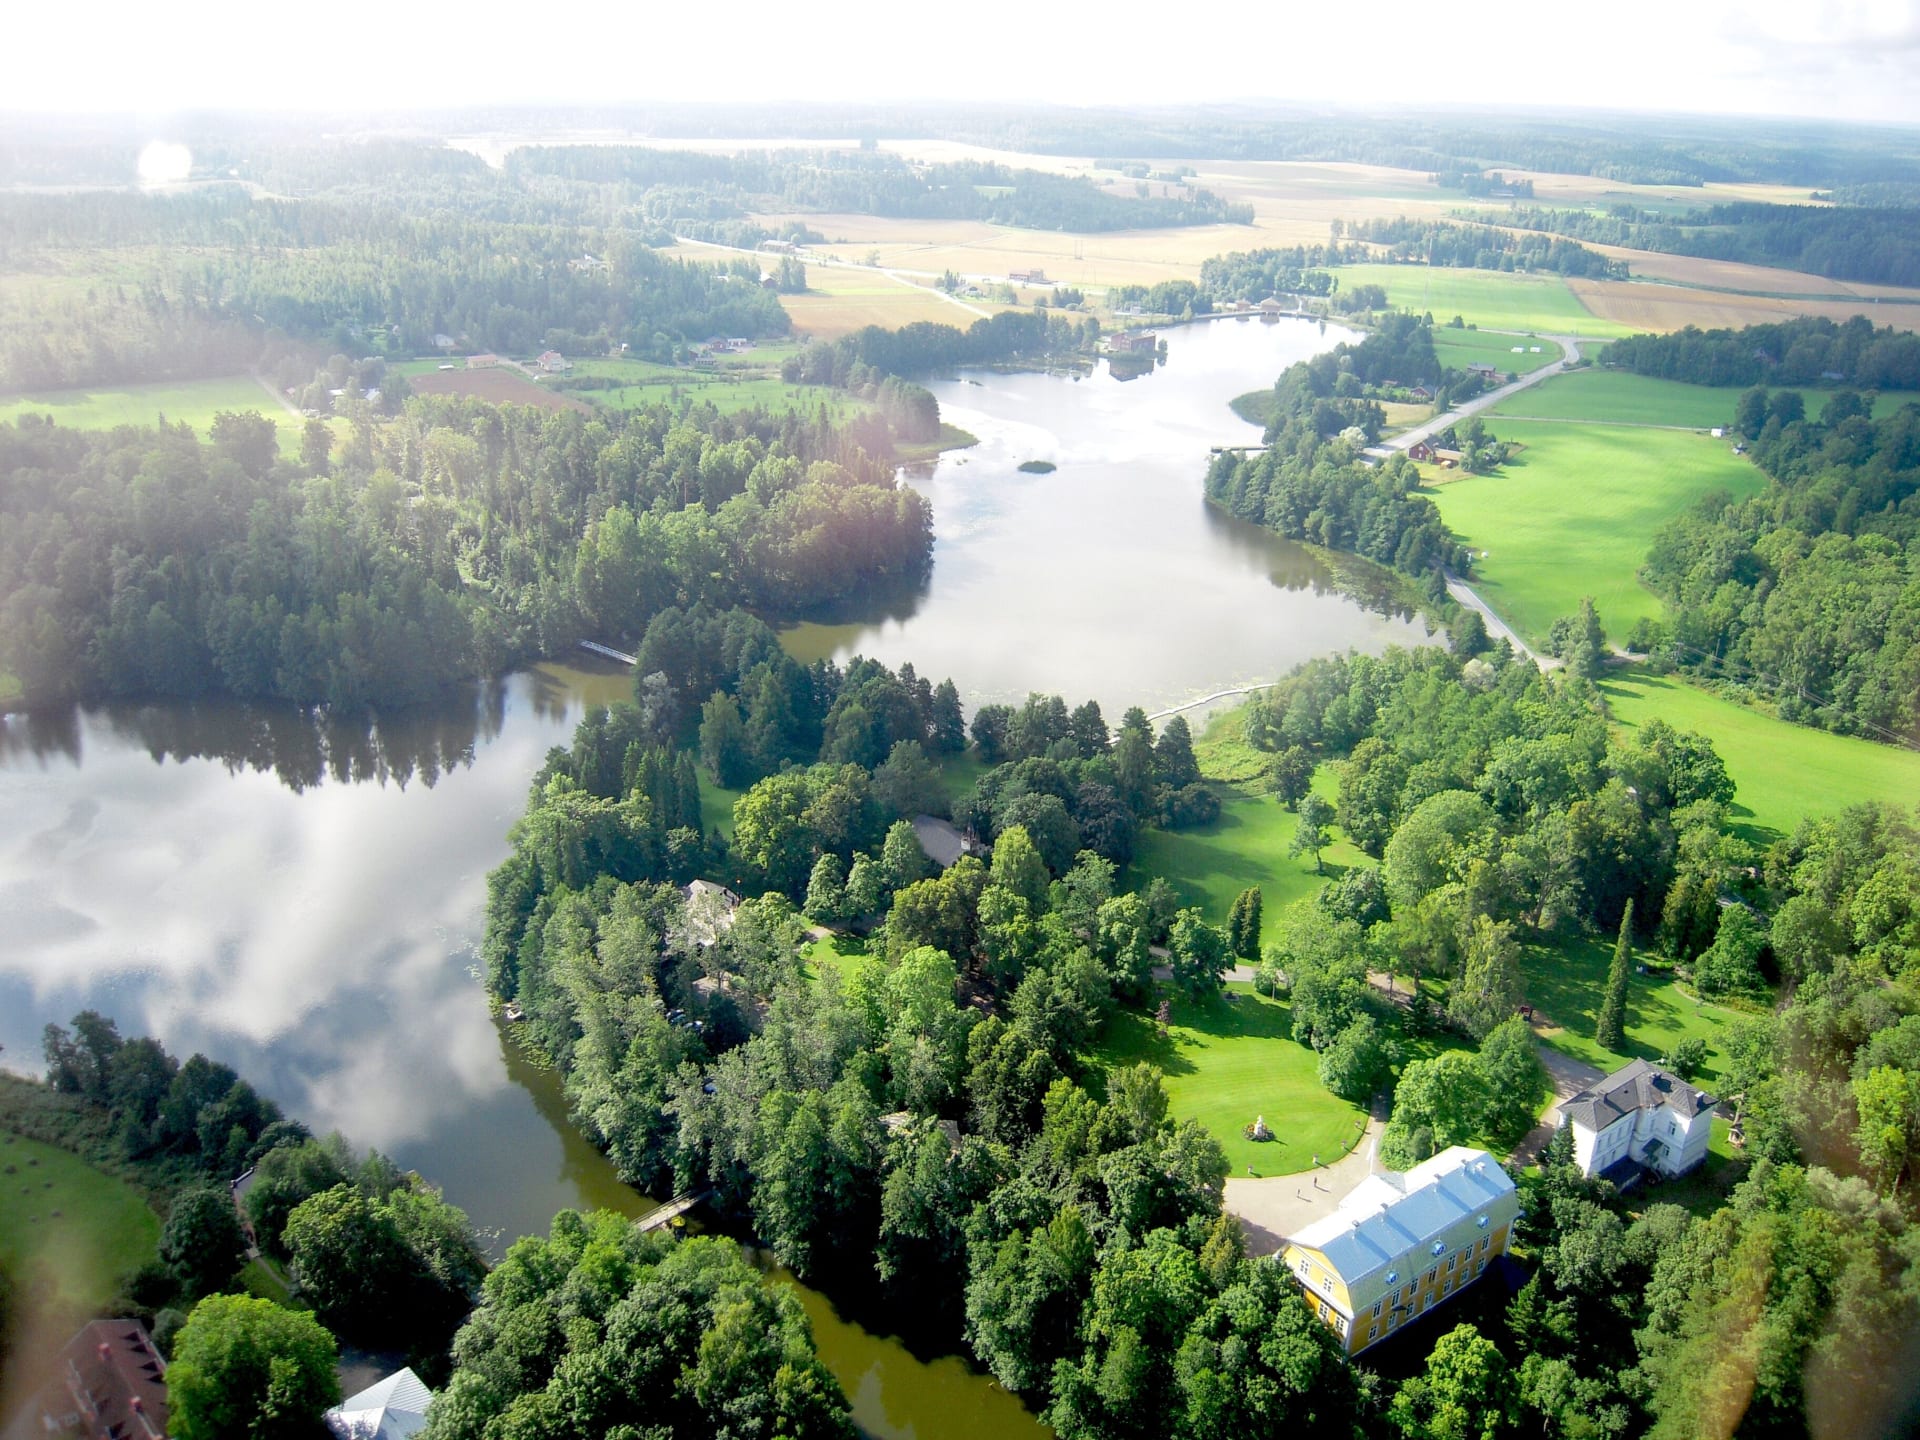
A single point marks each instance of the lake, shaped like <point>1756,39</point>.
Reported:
<point>1111,578</point>
<point>303,898</point>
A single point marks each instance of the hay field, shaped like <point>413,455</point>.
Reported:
<point>1689,270</point>
<point>841,299</point>
<point>1551,188</point>
<point>1635,305</point>
<point>495,385</point>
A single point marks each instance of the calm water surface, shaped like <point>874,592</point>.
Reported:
<point>303,900</point>
<point>1111,578</point>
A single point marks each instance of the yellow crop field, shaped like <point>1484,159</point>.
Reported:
<point>1647,306</point>
<point>841,299</point>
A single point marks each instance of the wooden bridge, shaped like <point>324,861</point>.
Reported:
<point>672,1210</point>
<point>607,650</point>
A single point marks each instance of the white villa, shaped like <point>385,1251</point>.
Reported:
<point>1402,1243</point>
<point>1639,1118</point>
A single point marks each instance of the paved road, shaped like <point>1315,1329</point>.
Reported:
<point>1466,595</point>
<point>1407,439</point>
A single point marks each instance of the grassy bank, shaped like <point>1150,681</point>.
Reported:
<point>68,1225</point>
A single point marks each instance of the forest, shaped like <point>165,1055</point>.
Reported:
<point>928,1124</point>
<point>1878,245</point>
<point>451,544</point>
<point>1482,247</point>
<point>655,182</point>
<point>1809,591</point>
<point>1312,481</point>
<point>1810,351</point>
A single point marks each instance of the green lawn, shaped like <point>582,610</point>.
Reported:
<point>1232,1060</point>
<point>1246,846</point>
<point>1575,513</point>
<point>833,953</point>
<point>1564,982</point>
<point>1629,399</point>
<point>1785,773</point>
<point>1460,348</point>
<point>1488,298</point>
<point>85,1230</point>
<point>1618,396</point>
<point>716,805</point>
<point>194,401</point>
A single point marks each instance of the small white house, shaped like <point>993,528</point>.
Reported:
<point>1639,1118</point>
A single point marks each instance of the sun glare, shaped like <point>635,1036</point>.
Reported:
<point>165,162</point>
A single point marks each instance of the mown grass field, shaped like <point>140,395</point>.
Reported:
<point>194,401</point>
<point>1458,349</point>
<point>1785,773</point>
<point>82,1229</point>
<point>1489,298</point>
<point>1620,398</point>
<point>1565,984</point>
<point>1617,397</point>
<point>1230,1060</point>
<point>1576,512</point>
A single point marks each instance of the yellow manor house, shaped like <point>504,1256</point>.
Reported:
<point>1401,1244</point>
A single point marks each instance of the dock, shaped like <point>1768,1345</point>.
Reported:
<point>672,1210</point>
<point>607,650</point>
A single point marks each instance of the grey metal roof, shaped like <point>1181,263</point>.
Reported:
<point>1389,1219</point>
<point>1634,1086</point>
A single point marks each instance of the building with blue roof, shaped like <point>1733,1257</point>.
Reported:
<point>1402,1243</point>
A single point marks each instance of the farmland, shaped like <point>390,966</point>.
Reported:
<point>1575,513</point>
<point>739,383</point>
<point>496,386</point>
<point>195,402</point>
<point>1784,773</point>
<point>1491,299</point>
<point>1634,305</point>
<point>1615,397</point>
<point>1458,349</point>
<point>843,298</point>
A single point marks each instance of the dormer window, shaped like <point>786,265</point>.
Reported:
<point>1439,1247</point>
<point>1481,1222</point>
<point>1393,1277</point>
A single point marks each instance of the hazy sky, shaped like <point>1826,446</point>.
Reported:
<point>1842,59</point>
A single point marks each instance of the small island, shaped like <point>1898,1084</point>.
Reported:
<point>1037,467</point>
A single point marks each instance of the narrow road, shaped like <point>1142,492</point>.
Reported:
<point>1466,595</point>
<point>1407,439</point>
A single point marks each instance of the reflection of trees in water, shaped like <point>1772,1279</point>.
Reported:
<point>301,747</point>
<point>1292,566</point>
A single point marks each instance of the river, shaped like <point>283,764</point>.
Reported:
<point>302,899</point>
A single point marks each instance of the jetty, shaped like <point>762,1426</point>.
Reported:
<point>672,1210</point>
<point>607,650</point>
